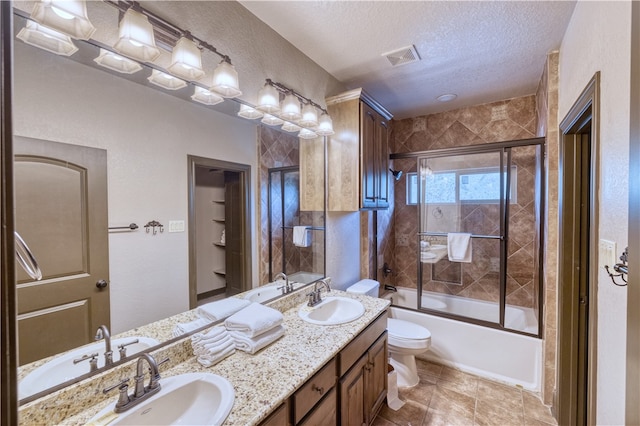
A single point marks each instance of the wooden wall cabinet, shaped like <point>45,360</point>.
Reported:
<point>358,153</point>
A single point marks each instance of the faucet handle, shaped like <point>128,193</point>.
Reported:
<point>122,349</point>
<point>123,388</point>
<point>154,380</point>
<point>93,361</point>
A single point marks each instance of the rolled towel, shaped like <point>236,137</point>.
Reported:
<point>209,359</point>
<point>253,345</point>
<point>253,320</point>
<point>219,346</point>
<point>182,328</point>
<point>211,335</point>
<point>221,309</point>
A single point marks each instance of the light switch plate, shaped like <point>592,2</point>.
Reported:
<point>176,226</point>
<point>608,253</point>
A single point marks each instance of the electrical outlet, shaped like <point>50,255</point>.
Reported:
<point>608,253</point>
<point>176,226</point>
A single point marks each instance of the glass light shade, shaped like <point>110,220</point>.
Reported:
<point>309,116</point>
<point>247,112</point>
<point>272,120</point>
<point>117,63</point>
<point>325,125</point>
<point>290,109</point>
<point>136,37</point>
<point>225,81</point>
<point>269,99</point>
<point>166,81</point>
<point>206,97</point>
<point>186,60</point>
<point>66,16</point>
<point>290,127</point>
<point>47,39</point>
<point>307,134</point>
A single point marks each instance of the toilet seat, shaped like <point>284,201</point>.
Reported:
<point>405,334</point>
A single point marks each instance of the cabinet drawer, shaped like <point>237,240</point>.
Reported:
<point>280,417</point>
<point>325,413</point>
<point>354,350</point>
<point>313,390</point>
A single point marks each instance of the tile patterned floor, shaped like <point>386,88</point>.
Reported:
<point>446,396</point>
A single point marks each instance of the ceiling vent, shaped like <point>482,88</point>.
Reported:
<point>403,56</point>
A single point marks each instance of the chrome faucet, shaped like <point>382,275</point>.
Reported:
<point>141,392</point>
<point>315,297</point>
<point>103,333</point>
<point>288,287</point>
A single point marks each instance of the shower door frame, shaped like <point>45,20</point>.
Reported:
<point>504,148</point>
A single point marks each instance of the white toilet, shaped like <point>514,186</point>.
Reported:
<point>405,339</point>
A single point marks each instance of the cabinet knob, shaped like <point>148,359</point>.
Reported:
<point>320,390</point>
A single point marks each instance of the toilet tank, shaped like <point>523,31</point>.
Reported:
<point>367,286</point>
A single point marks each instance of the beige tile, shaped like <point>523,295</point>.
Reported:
<point>428,367</point>
<point>535,409</point>
<point>489,414</point>
<point>536,422</point>
<point>411,414</point>
<point>435,418</point>
<point>465,387</point>
<point>420,394</point>
<point>455,405</point>
<point>501,396</point>
<point>379,421</point>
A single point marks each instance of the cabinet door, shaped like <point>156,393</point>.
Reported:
<point>280,417</point>
<point>369,156</point>
<point>375,378</point>
<point>352,391</point>
<point>382,163</point>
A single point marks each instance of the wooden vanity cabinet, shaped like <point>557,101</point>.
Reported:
<point>358,157</point>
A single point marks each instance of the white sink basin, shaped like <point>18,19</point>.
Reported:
<point>62,368</point>
<point>186,399</point>
<point>264,293</point>
<point>332,311</point>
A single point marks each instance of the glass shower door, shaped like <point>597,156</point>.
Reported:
<point>464,195</point>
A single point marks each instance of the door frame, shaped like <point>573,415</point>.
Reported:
<point>245,174</point>
<point>583,117</point>
<point>632,411</point>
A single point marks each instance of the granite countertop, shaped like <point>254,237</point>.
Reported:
<point>264,380</point>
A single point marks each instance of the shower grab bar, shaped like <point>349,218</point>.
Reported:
<point>444,234</point>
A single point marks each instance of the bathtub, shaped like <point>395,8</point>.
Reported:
<point>506,357</point>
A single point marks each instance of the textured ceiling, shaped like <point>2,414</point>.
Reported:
<point>482,51</point>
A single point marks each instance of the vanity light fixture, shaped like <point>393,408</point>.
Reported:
<point>309,116</point>
<point>272,120</point>
<point>290,109</point>
<point>225,80</point>
<point>269,99</point>
<point>166,81</point>
<point>307,134</point>
<point>118,63</point>
<point>325,125</point>
<point>249,112</point>
<point>205,96</point>
<point>291,127</point>
<point>186,60</point>
<point>66,16</point>
<point>136,37</point>
<point>47,39</point>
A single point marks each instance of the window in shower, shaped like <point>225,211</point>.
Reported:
<point>494,193</point>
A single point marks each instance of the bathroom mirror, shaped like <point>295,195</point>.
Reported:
<point>146,134</point>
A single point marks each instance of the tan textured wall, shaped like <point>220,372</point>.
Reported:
<point>547,111</point>
<point>499,121</point>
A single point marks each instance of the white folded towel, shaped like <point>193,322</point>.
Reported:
<point>216,332</point>
<point>301,236</point>
<point>214,347</point>
<point>210,359</point>
<point>253,345</point>
<point>182,328</point>
<point>221,309</point>
<point>253,320</point>
<point>459,247</point>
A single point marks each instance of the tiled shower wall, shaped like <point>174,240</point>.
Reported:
<point>276,149</point>
<point>495,122</point>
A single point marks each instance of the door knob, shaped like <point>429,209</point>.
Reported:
<point>101,284</point>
